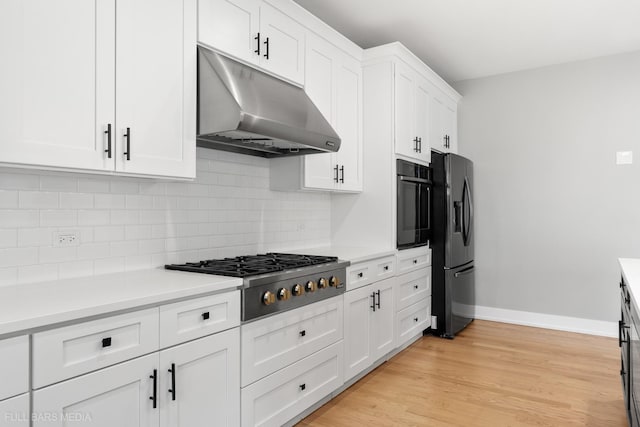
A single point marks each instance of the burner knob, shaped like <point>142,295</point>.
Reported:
<point>268,298</point>
<point>284,294</point>
<point>310,286</point>
<point>297,290</point>
<point>334,282</point>
<point>323,283</point>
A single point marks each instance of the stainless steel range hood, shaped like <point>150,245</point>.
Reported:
<point>246,111</point>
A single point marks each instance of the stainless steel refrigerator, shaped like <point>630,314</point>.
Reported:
<point>453,270</point>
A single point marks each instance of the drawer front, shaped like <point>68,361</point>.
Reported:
<point>413,287</point>
<point>359,275</point>
<point>14,369</point>
<point>15,412</point>
<point>276,342</point>
<point>413,259</point>
<point>278,398</point>
<point>384,268</point>
<point>195,318</point>
<point>364,273</point>
<point>65,352</point>
<point>413,320</point>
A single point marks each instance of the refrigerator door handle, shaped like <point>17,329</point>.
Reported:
<point>468,204</point>
<point>467,270</point>
<point>414,180</point>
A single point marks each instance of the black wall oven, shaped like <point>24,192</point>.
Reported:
<point>414,204</point>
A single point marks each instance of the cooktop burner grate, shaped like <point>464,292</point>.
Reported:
<point>245,266</point>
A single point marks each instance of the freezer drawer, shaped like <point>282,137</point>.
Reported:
<point>459,298</point>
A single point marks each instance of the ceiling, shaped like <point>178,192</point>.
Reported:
<point>466,39</point>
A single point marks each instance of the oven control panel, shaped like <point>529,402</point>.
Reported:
<point>292,292</point>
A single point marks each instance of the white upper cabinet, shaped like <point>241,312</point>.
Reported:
<point>411,113</point>
<point>155,91</point>
<point>77,74</point>
<point>333,81</point>
<point>254,32</point>
<point>444,124</point>
<point>57,82</point>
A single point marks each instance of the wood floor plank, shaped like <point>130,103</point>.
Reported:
<point>492,374</point>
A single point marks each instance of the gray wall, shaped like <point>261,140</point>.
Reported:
<point>553,210</point>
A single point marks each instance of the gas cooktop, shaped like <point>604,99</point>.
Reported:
<point>252,265</point>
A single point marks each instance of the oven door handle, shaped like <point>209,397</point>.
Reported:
<point>413,179</point>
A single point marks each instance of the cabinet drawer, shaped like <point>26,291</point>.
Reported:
<point>413,259</point>
<point>15,412</point>
<point>413,287</point>
<point>277,342</point>
<point>364,273</point>
<point>73,350</point>
<point>279,397</point>
<point>412,320</point>
<point>195,318</point>
<point>14,369</point>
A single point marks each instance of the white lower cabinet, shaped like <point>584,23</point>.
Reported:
<point>369,325</point>
<point>200,382</point>
<point>268,346</point>
<point>413,320</point>
<point>14,369</point>
<point>279,397</point>
<point>178,387</point>
<point>15,412</point>
<point>120,395</point>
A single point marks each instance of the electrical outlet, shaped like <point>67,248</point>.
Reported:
<point>66,238</point>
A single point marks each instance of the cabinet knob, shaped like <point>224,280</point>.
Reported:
<point>415,319</point>
<point>106,342</point>
<point>302,387</point>
<point>303,333</point>
<point>205,315</point>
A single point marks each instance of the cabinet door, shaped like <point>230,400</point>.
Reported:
<point>405,110</point>
<point>423,100</point>
<point>358,313</point>
<point>348,123</point>
<point>15,412</point>
<point>450,122</point>
<point>115,396</point>
<point>57,82</point>
<point>383,329</point>
<point>156,82</point>
<point>320,85</point>
<point>206,390</point>
<point>282,38</point>
<point>230,26</point>
<point>14,370</point>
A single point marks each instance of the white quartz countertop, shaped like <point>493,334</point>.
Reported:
<point>348,253</point>
<point>631,272</point>
<point>29,306</point>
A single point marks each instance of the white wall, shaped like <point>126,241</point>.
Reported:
<point>553,211</point>
<point>134,223</point>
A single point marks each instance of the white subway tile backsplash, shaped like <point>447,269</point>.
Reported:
<point>132,223</point>
<point>37,273</point>
<point>8,199</point>
<point>59,183</point>
<point>58,218</point>
<point>57,254</point>
<point>93,217</point>
<point>76,200</point>
<point>37,200</point>
<point>109,201</point>
<point>8,238</point>
<point>19,218</point>
<point>12,257</point>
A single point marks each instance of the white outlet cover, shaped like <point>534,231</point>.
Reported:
<point>624,157</point>
<point>66,238</point>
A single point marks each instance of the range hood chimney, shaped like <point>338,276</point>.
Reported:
<point>246,111</point>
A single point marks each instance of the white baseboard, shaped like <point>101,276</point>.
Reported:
<point>548,321</point>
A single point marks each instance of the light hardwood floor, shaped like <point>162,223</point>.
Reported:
<point>492,374</point>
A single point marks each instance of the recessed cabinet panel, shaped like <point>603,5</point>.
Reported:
<point>15,412</point>
<point>155,96</point>
<point>115,396</point>
<point>282,38</point>
<point>404,111</point>
<point>200,382</point>
<point>57,82</point>
<point>230,26</point>
<point>14,368</point>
